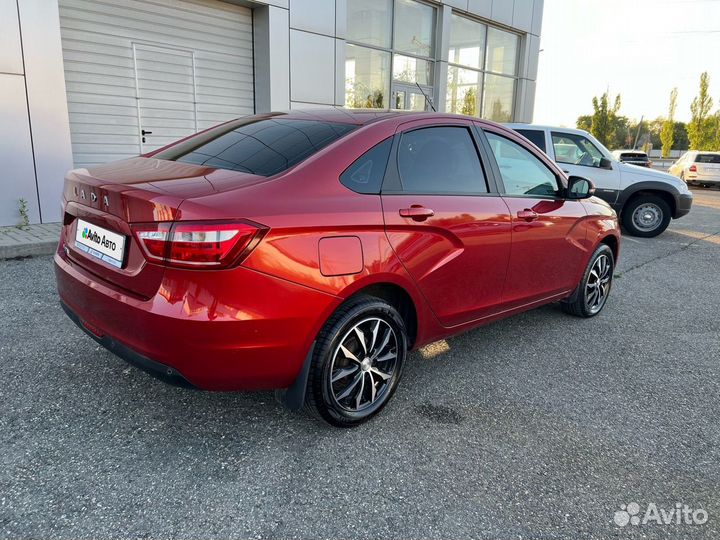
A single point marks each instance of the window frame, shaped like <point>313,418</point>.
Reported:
<point>433,59</point>
<point>392,182</point>
<point>544,160</point>
<point>483,71</point>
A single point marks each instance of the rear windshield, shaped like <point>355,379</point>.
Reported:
<point>634,156</point>
<point>262,147</point>
<point>707,158</point>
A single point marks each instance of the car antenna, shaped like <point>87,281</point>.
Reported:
<point>427,99</point>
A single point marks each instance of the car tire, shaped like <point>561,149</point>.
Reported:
<point>646,216</point>
<point>593,290</point>
<point>357,362</point>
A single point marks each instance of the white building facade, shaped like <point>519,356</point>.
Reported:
<point>84,82</point>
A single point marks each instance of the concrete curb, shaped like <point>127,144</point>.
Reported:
<point>34,249</point>
<point>29,241</point>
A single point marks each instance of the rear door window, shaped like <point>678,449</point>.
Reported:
<point>365,175</point>
<point>440,160</point>
<point>263,147</point>
<point>534,136</point>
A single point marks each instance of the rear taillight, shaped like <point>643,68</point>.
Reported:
<point>693,168</point>
<point>198,244</point>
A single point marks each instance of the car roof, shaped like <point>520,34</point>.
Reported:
<point>362,117</point>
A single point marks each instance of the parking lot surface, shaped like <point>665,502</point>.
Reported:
<point>541,425</point>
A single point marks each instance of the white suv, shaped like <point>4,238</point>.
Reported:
<point>698,168</point>
<point>644,199</point>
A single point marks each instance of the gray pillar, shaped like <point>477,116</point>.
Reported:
<point>271,27</point>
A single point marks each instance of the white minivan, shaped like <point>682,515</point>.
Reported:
<point>644,199</point>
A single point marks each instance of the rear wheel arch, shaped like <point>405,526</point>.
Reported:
<point>399,298</point>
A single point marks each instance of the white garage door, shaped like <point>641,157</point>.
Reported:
<point>143,73</point>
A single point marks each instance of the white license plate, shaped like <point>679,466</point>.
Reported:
<point>100,243</point>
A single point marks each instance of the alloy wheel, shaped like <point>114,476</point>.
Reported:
<point>363,364</point>
<point>647,217</point>
<point>598,284</point>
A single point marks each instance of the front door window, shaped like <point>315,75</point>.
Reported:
<point>575,149</point>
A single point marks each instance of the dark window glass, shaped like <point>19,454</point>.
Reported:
<point>264,147</point>
<point>440,160</point>
<point>534,136</point>
<point>707,158</point>
<point>522,172</point>
<point>365,175</point>
<point>634,156</point>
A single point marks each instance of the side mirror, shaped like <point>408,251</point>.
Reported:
<point>605,163</point>
<point>580,188</point>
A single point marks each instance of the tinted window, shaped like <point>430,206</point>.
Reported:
<point>264,147</point>
<point>365,175</point>
<point>522,173</point>
<point>575,150</point>
<point>707,158</point>
<point>534,136</point>
<point>440,160</point>
<point>633,156</point>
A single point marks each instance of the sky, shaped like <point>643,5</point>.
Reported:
<point>639,49</point>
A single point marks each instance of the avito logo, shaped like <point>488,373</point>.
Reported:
<point>91,235</point>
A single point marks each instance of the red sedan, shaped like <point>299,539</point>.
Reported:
<point>308,252</point>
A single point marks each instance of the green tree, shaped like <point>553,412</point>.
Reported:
<point>681,136</point>
<point>604,118</point>
<point>584,122</point>
<point>667,135</point>
<point>470,102</point>
<point>700,128</point>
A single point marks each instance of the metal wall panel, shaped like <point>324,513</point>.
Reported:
<point>166,66</point>
<point>18,176</point>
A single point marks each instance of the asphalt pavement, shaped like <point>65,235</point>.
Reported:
<point>538,426</point>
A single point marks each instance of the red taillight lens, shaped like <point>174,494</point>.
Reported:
<point>693,168</point>
<point>197,245</point>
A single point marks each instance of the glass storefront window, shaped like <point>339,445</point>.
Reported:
<point>370,22</point>
<point>464,89</point>
<point>414,28</point>
<point>498,96</point>
<point>467,42</point>
<point>367,77</point>
<point>502,50</point>
<point>412,70</point>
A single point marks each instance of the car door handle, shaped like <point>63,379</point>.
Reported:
<point>416,212</point>
<point>527,214</point>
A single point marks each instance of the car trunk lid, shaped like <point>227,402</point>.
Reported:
<point>139,190</point>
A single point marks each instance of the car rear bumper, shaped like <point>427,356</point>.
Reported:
<point>156,369</point>
<point>225,330</point>
<point>702,179</point>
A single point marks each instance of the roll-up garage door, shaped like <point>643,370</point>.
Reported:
<point>142,73</point>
